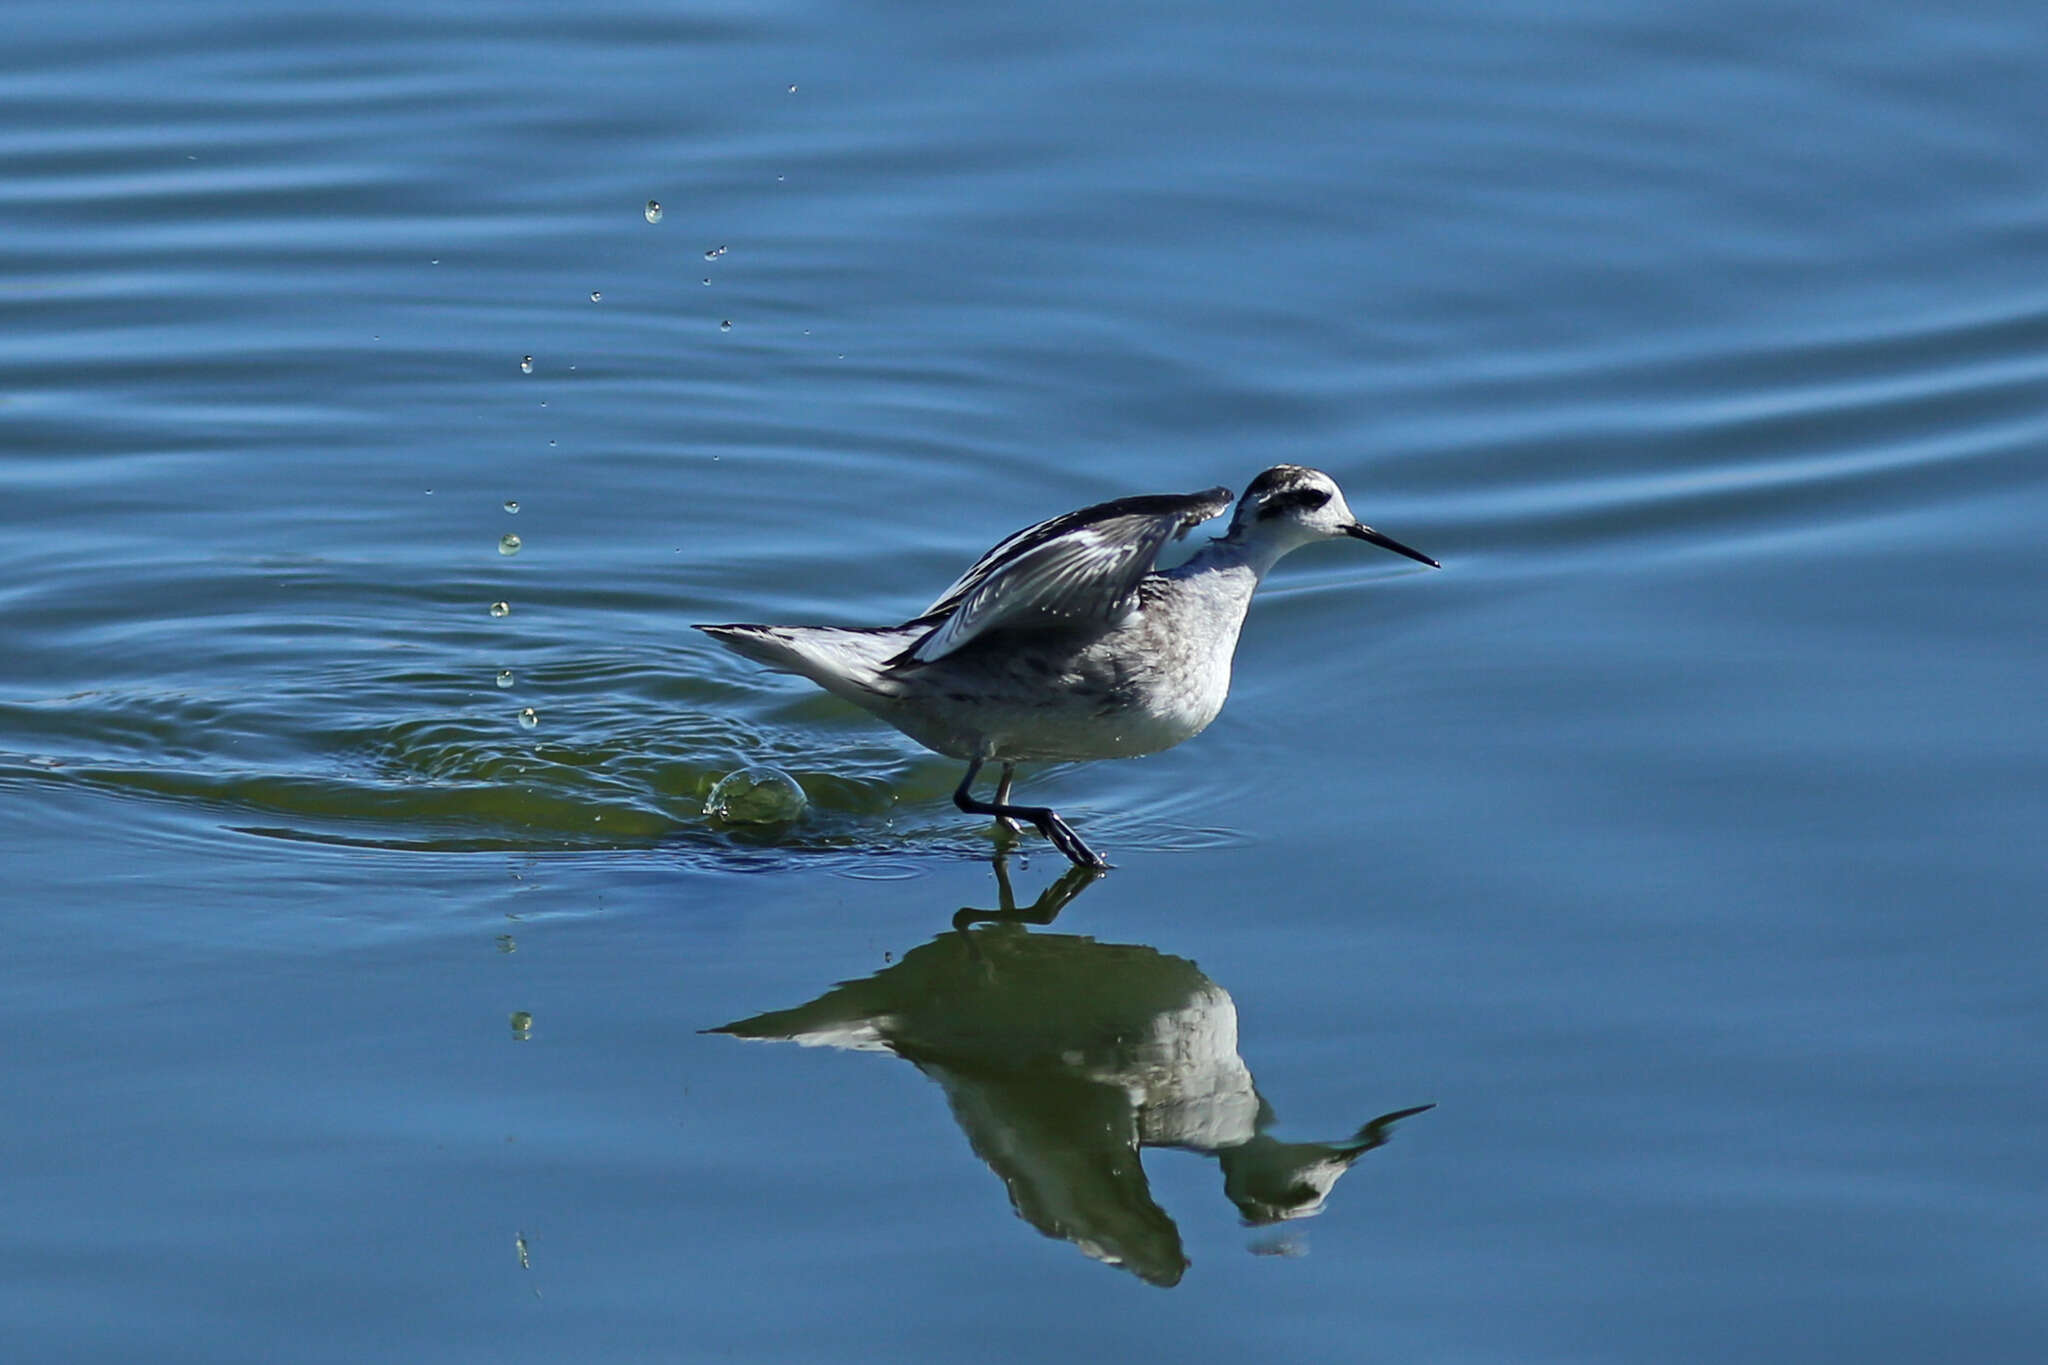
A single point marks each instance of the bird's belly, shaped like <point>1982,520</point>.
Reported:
<point>1076,717</point>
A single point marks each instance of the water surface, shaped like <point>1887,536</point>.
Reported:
<point>1676,840</point>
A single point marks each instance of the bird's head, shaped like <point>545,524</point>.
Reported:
<point>1291,505</point>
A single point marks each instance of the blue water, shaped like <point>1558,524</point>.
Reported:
<point>1678,840</point>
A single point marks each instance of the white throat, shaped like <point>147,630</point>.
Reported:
<point>1257,547</point>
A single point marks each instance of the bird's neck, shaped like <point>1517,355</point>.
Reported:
<point>1238,556</point>
<point>1222,576</point>
<point>1199,618</point>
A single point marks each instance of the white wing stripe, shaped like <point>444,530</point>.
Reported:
<point>1072,571</point>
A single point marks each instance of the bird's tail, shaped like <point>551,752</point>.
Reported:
<point>846,661</point>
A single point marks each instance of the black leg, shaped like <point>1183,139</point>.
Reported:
<point>1044,818</point>
<point>1044,910</point>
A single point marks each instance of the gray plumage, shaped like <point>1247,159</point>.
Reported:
<point>1064,641</point>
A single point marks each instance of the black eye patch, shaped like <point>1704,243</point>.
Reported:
<point>1306,499</point>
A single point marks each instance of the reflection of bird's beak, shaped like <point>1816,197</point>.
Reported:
<point>1376,1133</point>
<point>1359,531</point>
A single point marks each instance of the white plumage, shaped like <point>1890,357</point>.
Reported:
<point>1064,642</point>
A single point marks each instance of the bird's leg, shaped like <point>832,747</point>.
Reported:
<point>1044,818</point>
<point>1004,890</point>
<point>1044,910</point>
<point>1003,797</point>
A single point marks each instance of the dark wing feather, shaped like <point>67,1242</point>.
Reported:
<point>1078,569</point>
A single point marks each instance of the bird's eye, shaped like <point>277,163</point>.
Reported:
<point>1293,499</point>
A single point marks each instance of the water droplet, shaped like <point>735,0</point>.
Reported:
<point>725,326</point>
<point>526,365</point>
<point>501,608</point>
<point>792,90</point>
<point>512,506</point>
<point>756,796</point>
<point>508,544</point>
<point>529,718</point>
<point>596,294</point>
<point>707,279</point>
<point>654,210</point>
<point>779,179</point>
<point>522,1029</point>
<point>505,678</point>
<point>715,253</point>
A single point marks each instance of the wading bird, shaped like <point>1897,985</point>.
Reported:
<point>1064,642</point>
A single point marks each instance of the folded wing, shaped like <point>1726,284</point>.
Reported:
<point>1077,570</point>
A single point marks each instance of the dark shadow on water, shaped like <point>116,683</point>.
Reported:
<point>1063,1058</point>
<point>856,827</point>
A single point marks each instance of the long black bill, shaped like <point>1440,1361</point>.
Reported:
<point>1366,533</point>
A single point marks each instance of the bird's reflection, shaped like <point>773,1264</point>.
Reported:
<point>1062,1058</point>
